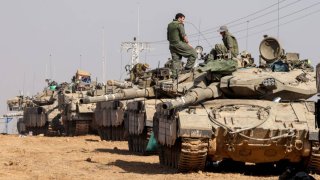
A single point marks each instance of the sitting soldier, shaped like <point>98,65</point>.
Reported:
<point>138,71</point>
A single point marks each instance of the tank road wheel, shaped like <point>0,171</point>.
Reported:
<point>75,128</point>
<point>102,133</point>
<point>113,131</point>
<point>38,130</point>
<point>123,133</point>
<point>119,133</point>
<point>165,154</point>
<point>193,154</point>
<point>69,127</point>
<point>314,162</point>
<point>139,143</point>
<point>134,143</point>
<point>143,142</point>
<point>81,127</point>
<point>114,135</point>
<point>107,133</point>
<point>187,154</point>
<point>161,154</point>
<point>130,144</point>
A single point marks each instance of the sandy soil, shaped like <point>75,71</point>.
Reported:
<point>87,157</point>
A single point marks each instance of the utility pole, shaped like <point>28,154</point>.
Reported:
<point>103,57</point>
<point>80,60</point>
<point>136,46</point>
<point>50,66</point>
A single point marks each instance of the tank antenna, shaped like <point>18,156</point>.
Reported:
<point>199,32</point>
<point>103,57</point>
<point>50,66</point>
<point>247,35</point>
<point>157,75</point>
<point>80,61</point>
<point>136,46</point>
<point>138,30</point>
<point>278,18</point>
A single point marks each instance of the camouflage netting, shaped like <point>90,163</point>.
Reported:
<point>220,66</point>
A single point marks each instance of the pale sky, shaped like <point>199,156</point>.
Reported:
<point>31,30</point>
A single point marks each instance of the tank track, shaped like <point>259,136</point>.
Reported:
<point>314,162</point>
<point>112,133</point>
<point>52,131</point>
<point>139,143</point>
<point>37,130</point>
<point>187,154</point>
<point>77,128</point>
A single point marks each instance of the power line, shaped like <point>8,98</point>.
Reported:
<point>288,22</point>
<point>281,24</point>
<point>268,22</point>
<point>270,28</point>
<point>258,25</point>
<point>252,14</point>
<point>236,32</point>
<point>233,21</point>
<point>252,19</point>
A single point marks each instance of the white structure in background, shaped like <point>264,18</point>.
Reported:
<point>135,47</point>
<point>11,123</point>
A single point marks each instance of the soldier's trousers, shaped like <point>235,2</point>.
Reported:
<point>222,50</point>
<point>180,50</point>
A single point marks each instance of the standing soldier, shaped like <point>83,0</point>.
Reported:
<point>229,41</point>
<point>179,45</point>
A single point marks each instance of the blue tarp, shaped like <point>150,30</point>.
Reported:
<point>8,125</point>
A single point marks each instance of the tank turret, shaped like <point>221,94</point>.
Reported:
<point>18,103</point>
<point>46,97</point>
<point>43,117</point>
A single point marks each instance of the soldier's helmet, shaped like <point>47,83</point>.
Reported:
<point>245,54</point>
<point>145,66</point>
<point>223,29</point>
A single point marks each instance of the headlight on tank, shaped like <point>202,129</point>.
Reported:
<point>269,83</point>
<point>199,49</point>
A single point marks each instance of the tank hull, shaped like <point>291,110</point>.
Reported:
<point>43,120</point>
<point>253,131</point>
<point>109,120</point>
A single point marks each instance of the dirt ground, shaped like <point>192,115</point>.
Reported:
<point>86,157</point>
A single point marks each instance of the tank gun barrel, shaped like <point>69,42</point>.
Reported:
<point>119,84</point>
<point>194,96</point>
<point>122,95</point>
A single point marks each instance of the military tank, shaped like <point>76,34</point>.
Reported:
<point>109,114</point>
<point>78,118</point>
<point>18,103</point>
<point>43,116</point>
<point>235,119</point>
<point>16,107</point>
<point>131,110</point>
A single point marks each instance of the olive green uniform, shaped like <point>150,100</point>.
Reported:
<point>137,71</point>
<point>178,47</point>
<point>230,42</point>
